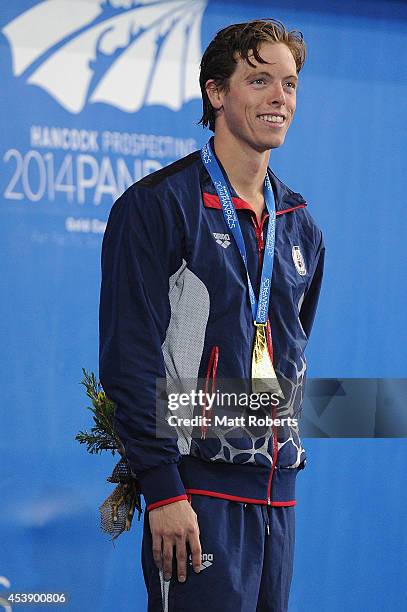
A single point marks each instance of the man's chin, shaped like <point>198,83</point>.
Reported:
<point>264,145</point>
<point>276,142</point>
<point>272,142</point>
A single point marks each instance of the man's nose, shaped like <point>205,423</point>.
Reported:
<point>277,94</point>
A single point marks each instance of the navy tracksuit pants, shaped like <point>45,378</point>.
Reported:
<point>247,561</point>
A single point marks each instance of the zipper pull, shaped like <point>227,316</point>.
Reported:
<point>260,241</point>
<point>266,519</point>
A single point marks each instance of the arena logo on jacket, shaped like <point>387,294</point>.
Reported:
<point>100,93</point>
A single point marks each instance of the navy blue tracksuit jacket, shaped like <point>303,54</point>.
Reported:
<point>175,304</point>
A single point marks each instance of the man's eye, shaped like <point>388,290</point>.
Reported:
<point>259,81</point>
<point>291,84</point>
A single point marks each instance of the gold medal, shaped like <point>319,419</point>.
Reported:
<point>264,378</point>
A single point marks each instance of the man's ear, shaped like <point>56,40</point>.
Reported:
<point>214,94</point>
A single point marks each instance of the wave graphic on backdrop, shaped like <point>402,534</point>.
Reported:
<point>127,54</point>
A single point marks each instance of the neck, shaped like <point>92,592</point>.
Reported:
<point>245,168</point>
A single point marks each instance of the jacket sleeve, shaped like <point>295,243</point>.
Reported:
<point>142,247</point>
<point>310,301</point>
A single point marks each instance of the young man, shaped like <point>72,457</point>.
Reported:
<point>211,269</point>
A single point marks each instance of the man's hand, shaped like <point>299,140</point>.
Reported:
<point>174,525</point>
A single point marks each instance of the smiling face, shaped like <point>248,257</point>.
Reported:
<point>257,108</point>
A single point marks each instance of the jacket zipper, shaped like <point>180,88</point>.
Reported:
<point>260,247</point>
<point>260,240</point>
<point>210,375</point>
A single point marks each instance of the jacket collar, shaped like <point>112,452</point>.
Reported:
<point>286,199</point>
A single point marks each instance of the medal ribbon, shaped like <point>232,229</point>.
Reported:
<point>260,306</point>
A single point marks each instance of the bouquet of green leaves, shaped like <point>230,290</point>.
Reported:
<point>118,509</point>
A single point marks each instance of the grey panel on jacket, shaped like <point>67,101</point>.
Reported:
<point>184,341</point>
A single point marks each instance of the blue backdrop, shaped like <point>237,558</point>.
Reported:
<point>96,97</point>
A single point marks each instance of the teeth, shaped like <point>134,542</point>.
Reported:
<point>272,118</point>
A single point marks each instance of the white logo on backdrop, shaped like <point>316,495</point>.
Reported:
<point>125,53</point>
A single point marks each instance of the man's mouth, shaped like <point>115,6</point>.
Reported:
<point>275,119</point>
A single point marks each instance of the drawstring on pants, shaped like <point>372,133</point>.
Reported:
<point>266,519</point>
